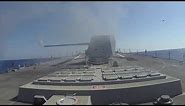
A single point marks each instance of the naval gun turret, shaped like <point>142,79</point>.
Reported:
<point>125,83</point>
<point>100,48</point>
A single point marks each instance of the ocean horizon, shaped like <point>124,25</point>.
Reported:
<point>173,54</point>
<point>8,65</point>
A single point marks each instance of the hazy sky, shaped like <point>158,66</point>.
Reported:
<point>135,25</point>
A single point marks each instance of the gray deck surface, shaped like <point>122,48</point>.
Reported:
<point>10,82</point>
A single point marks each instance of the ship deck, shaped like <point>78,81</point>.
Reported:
<point>10,82</point>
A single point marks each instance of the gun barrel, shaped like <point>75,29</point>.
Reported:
<point>74,44</point>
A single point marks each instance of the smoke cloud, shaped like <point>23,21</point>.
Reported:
<point>86,20</point>
<point>72,22</point>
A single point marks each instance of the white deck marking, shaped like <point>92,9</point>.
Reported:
<point>120,55</point>
<point>77,57</point>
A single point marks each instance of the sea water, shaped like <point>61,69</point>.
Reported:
<point>7,65</point>
<point>174,54</point>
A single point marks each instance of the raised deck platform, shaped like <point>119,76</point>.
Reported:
<point>130,85</point>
